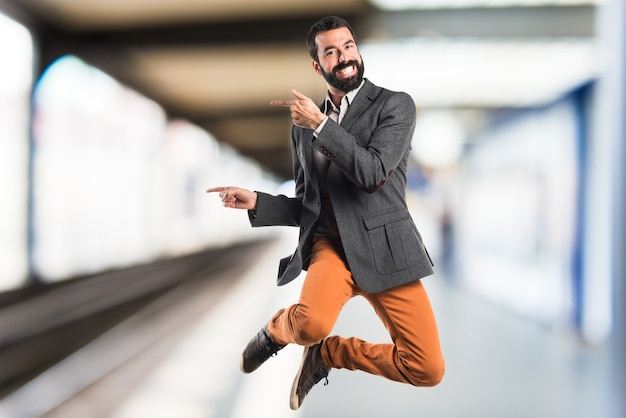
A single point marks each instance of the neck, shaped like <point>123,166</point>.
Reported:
<point>336,95</point>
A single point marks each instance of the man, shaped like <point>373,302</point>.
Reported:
<point>356,234</point>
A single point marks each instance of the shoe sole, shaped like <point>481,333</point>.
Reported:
<point>241,366</point>
<point>294,402</point>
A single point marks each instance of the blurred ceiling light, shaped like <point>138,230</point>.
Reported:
<point>466,4</point>
<point>17,55</point>
<point>481,73</point>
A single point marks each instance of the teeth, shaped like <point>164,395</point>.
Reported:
<point>346,70</point>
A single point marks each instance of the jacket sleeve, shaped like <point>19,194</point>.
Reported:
<point>370,152</point>
<point>277,210</point>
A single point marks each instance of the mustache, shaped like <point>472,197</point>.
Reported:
<point>343,65</point>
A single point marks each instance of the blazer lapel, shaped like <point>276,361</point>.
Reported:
<point>361,102</point>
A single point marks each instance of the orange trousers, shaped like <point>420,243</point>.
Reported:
<point>413,357</point>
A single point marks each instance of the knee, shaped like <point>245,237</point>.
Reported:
<point>427,375</point>
<point>434,374</point>
<point>311,331</point>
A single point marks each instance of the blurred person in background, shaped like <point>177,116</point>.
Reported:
<point>356,234</point>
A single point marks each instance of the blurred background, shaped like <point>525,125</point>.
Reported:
<point>115,116</point>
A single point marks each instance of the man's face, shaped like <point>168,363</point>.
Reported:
<point>340,62</point>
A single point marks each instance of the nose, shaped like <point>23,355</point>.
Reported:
<point>342,57</point>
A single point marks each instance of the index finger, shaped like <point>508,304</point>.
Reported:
<point>217,189</point>
<point>285,103</point>
<point>299,95</point>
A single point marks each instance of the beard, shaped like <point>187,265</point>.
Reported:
<point>348,84</point>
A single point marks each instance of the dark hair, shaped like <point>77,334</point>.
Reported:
<point>324,24</point>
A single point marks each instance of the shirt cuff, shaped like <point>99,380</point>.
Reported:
<point>317,130</point>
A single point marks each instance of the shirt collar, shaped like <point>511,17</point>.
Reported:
<point>349,96</point>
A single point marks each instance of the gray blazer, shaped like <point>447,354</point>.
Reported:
<point>366,183</point>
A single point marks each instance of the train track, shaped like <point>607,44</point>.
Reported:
<point>118,324</point>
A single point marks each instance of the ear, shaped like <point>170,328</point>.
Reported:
<point>316,67</point>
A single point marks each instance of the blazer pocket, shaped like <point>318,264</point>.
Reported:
<point>392,236</point>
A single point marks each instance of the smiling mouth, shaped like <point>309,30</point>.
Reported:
<point>346,70</point>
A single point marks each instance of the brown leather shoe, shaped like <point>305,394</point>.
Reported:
<point>312,370</point>
<point>259,349</point>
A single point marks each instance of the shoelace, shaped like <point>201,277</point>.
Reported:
<point>321,374</point>
<point>273,348</point>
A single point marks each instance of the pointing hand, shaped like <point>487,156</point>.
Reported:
<point>304,112</point>
<point>235,197</point>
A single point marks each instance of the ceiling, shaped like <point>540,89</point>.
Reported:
<point>218,63</point>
